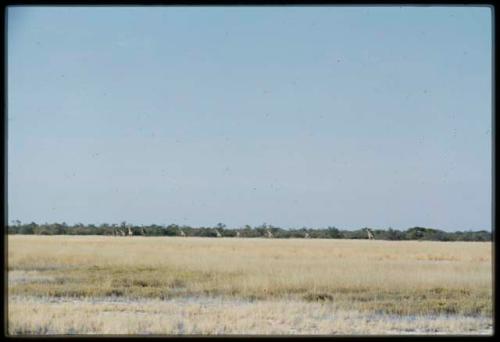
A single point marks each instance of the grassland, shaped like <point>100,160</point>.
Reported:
<point>164,285</point>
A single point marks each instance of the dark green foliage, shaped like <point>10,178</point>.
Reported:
<point>415,233</point>
<point>334,233</point>
<point>357,234</point>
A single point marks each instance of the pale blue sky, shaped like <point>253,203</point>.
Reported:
<point>293,116</point>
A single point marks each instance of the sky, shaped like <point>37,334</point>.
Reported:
<point>291,116</point>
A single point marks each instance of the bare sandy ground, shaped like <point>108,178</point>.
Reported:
<point>220,316</point>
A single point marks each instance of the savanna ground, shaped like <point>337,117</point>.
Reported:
<point>253,286</point>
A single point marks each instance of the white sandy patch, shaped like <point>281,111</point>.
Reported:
<point>220,316</point>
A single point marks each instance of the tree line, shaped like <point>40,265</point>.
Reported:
<point>415,233</point>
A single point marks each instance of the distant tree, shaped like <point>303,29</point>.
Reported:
<point>394,234</point>
<point>334,233</point>
<point>415,233</point>
<point>172,230</point>
<point>28,228</point>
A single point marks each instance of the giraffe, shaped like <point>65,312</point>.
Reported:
<point>125,229</point>
<point>218,233</point>
<point>269,234</point>
<point>370,234</point>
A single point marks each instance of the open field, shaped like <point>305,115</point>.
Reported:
<point>165,285</point>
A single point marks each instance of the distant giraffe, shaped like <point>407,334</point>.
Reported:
<point>130,233</point>
<point>370,234</point>
<point>218,233</point>
<point>122,229</point>
<point>269,234</point>
<point>113,230</point>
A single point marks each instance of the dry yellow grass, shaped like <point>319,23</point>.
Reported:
<point>413,279</point>
<point>208,316</point>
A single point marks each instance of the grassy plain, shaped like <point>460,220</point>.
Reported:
<point>171,285</point>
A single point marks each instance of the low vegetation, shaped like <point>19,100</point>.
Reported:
<point>208,316</point>
<point>382,278</point>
